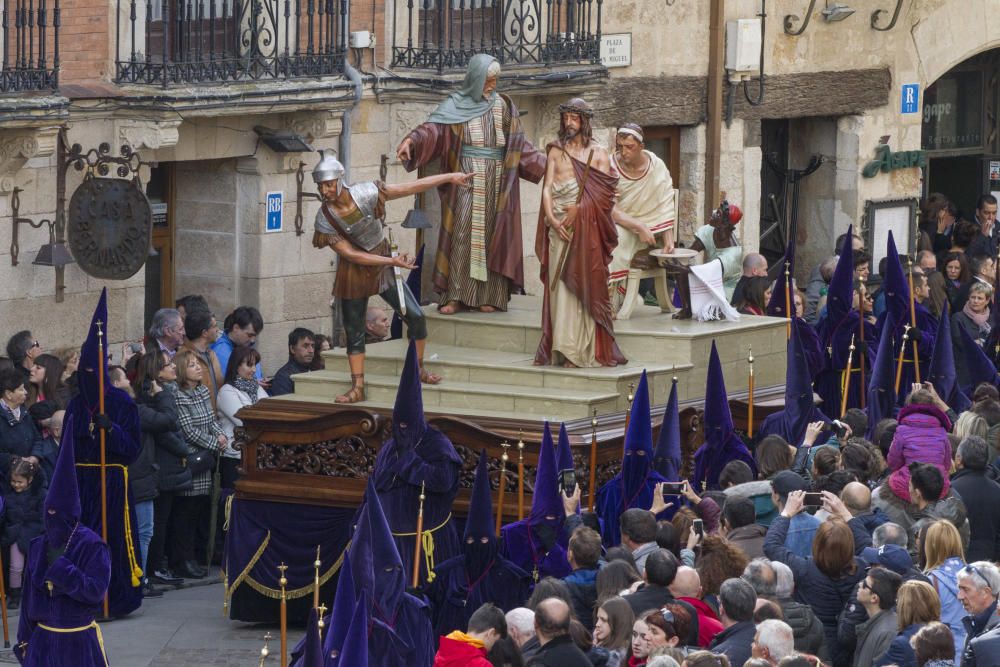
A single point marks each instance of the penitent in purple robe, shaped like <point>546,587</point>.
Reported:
<point>123,444</point>
<point>480,574</point>
<point>66,576</point>
<point>537,543</point>
<point>635,484</point>
<point>416,454</point>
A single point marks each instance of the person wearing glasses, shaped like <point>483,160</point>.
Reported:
<point>668,627</point>
<point>167,331</point>
<point>978,584</point>
<point>877,595</point>
<point>22,348</point>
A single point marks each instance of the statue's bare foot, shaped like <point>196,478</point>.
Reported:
<point>487,309</point>
<point>429,378</point>
<point>450,308</point>
<point>569,364</point>
<point>683,314</point>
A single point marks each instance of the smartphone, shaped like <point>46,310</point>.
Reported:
<point>673,488</point>
<point>840,427</point>
<point>813,499</point>
<point>567,481</point>
<point>698,526</point>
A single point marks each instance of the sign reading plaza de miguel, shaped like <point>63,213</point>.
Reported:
<point>616,49</point>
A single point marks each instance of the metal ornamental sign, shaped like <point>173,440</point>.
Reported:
<point>109,225</point>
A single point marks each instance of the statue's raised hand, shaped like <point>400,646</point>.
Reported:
<point>403,153</point>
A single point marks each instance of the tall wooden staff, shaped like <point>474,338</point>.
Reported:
<point>788,301</point>
<point>913,320</point>
<point>750,388</point>
<point>283,581</point>
<point>3,608</point>
<point>593,460</point>
<point>420,538</point>
<point>503,484</point>
<point>902,353</point>
<point>565,251</point>
<point>316,565</point>
<point>862,354</point>
<point>629,398</point>
<point>104,451</point>
<point>520,476</point>
<point>846,384</point>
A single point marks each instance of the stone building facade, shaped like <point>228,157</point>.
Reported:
<point>187,92</point>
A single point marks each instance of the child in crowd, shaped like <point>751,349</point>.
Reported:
<point>23,498</point>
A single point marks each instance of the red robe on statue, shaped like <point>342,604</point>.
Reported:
<point>586,270</point>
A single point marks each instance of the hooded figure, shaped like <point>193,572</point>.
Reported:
<point>975,366</point>
<point>355,646</point>
<point>942,372</point>
<point>722,445</point>
<point>480,251</point>
<point>634,485</point>
<point>480,574</point>
<point>882,388</point>
<point>313,651</point>
<point>776,307</point>
<point>66,576</point>
<point>537,543</point>
<point>897,302</point>
<point>841,322</point>
<point>400,634</point>
<point>800,408</point>
<point>344,602</point>
<point>667,457</point>
<point>417,453</point>
<point>123,443</point>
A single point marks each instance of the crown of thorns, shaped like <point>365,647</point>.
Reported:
<point>576,105</point>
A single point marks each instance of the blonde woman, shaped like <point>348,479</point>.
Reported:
<point>205,440</point>
<point>917,605</point>
<point>939,547</point>
<point>969,423</point>
<point>974,317</point>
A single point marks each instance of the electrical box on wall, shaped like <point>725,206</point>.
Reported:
<point>743,46</point>
<point>361,39</point>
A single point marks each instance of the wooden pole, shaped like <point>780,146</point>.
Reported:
<point>846,384</point>
<point>103,450</point>
<point>420,537</point>
<point>750,383</point>
<point>913,322</point>
<point>862,354</point>
<point>902,353</point>
<point>503,484</point>
<point>592,482</point>
<point>3,607</point>
<point>713,121</point>
<point>520,476</point>
<point>316,565</point>
<point>283,581</point>
<point>788,301</point>
<point>628,410</point>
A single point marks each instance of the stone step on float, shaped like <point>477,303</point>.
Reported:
<point>464,364</point>
<point>476,398</point>
<point>648,338</point>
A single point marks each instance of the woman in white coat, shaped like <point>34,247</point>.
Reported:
<point>240,390</point>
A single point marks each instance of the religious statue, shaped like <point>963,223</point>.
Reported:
<point>480,256</point>
<point>645,208</point>
<point>716,282</point>
<point>350,222</point>
<point>575,238</point>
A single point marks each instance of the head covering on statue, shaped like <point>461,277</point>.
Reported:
<point>123,442</point>
<point>417,454</point>
<point>537,543</point>
<point>634,485</point>
<point>480,574</point>
<point>468,102</point>
<point>65,578</point>
<point>722,445</point>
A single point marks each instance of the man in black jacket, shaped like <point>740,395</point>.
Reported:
<point>583,554</point>
<point>981,495</point>
<point>737,600</point>
<point>552,617</point>
<point>300,356</point>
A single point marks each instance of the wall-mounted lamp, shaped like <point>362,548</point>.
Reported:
<point>831,14</point>
<point>836,13</point>
<point>54,253</point>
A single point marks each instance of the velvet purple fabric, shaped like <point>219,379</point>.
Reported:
<point>667,456</point>
<point>882,389</point>
<point>942,372</point>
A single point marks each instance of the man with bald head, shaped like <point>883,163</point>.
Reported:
<point>857,498</point>
<point>754,265</point>
<point>686,587</point>
<point>552,617</point>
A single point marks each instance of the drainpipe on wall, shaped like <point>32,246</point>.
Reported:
<point>355,78</point>
<point>713,126</point>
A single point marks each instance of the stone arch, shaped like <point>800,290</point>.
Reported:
<point>951,34</point>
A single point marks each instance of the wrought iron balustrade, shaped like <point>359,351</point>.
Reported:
<point>164,42</point>
<point>30,45</point>
<point>441,34</point>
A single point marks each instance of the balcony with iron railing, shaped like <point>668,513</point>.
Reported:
<point>445,34</point>
<point>30,42</point>
<point>173,42</point>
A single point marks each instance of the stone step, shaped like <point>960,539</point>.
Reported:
<point>381,390</point>
<point>464,364</point>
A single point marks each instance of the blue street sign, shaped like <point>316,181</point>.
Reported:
<point>274,208</point>
<point>910,98</point>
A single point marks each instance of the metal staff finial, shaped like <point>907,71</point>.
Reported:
<point>520,475</point>
<point>502,487</point>
<point>264,652</point>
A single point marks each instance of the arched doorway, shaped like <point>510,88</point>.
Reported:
<point>960,131</point>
